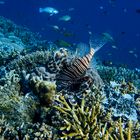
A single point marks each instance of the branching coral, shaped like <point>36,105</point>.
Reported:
<point>80,121</point>
<point>84,123</point>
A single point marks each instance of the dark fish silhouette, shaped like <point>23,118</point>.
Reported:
<point>138,11</point>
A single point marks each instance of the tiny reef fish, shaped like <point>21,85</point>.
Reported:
<point>65,18</point>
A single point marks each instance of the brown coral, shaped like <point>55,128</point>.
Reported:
<point>45,90</point>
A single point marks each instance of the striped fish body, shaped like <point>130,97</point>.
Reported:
<point>77,69</point>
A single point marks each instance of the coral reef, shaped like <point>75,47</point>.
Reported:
<point>10,48</point>
<point>84,123</point>
<point>29,61</point>
<point>121,91</point>
<point>13,105</point>
<point>8,28</point>
<point>15,40</point>
<point>103,103</point>
<point>25,132</point>
<point>122,105</point>
<point>117,74</point>
<point>45,91</point>
<point>80,122</point>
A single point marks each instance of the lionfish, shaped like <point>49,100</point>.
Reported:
<point>75,69</point>
<point>72,72</point>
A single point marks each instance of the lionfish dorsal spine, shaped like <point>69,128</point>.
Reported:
<point>87,58</point>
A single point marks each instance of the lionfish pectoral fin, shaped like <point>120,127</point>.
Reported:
<point>82,49</point>
<point>97,42</point>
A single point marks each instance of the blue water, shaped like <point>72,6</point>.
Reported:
<point>116,17</point>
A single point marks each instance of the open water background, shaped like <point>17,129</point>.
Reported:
<point>120,18</point>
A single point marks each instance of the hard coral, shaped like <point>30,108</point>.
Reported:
<point>29,61</point>
<point>10,48</point>
<point>13,105</point>
<point>16,40</point>
<point>29,131</point>
<point>117,74</point>
<point>80,122</point>
<point>121,91</point>
<point>8,28</point>
<point>84,123</point>
<point>45,90</point>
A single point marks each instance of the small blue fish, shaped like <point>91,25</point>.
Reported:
<point>50,10</point>
<point>65,18</point>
